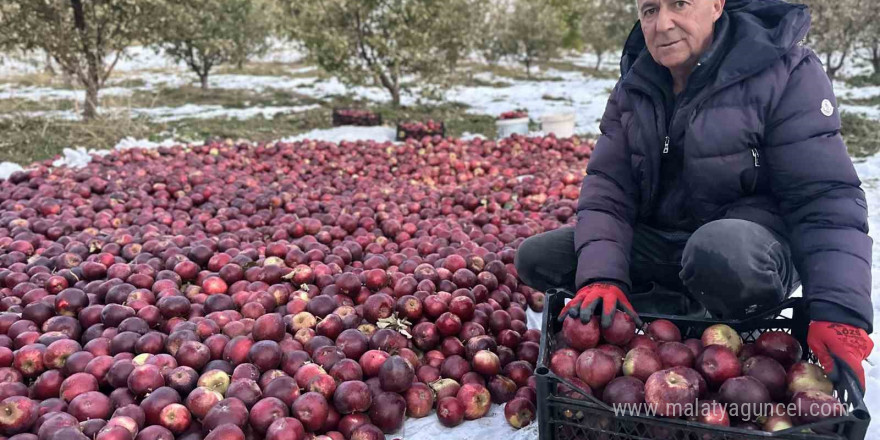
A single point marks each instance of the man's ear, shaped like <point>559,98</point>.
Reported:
<point>717,9</point>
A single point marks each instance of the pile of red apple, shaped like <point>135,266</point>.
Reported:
<point>716,380</point>
<point>420,130</point>
<point>514,114</point>
<point>281,291</point>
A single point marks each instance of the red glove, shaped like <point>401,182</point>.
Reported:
<point>588,298</point>
<point>840,346</point>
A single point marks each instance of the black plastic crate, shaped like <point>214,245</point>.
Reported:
<point>562,418</point>
<point>364,118</point>
<point>404,134</point>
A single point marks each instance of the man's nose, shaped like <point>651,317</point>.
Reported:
<point>665,20</point>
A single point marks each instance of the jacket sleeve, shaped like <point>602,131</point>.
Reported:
<point>607,205</point>
<point>820,196</point>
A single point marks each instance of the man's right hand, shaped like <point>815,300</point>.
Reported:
<point>589,297</point>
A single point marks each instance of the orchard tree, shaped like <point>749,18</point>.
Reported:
<point>207,33</point>
<point>493,42</point>
<point>836,27</point>
<point>381,42</point>
<point>535,32</point>
<point>84,37</point>
<point>869,41</point>
<point>605,24</point>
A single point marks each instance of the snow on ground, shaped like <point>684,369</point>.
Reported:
<point>586,97</point>
<point>869,173</point>
<point>168,114</point>
<point>842,90</point>
<point>869,111</point>
<point>7,168</point>
<point>12,91</point>
<point>347,133</point>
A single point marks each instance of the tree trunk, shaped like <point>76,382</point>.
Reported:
<point>50,69</point>
<point>204,79</point>
<point>92,83</point>
<point>598,60</point>
<point>395,96</point>
<point>528,63</point>
<point>91,105</point>
<point>875,59</point>
<point>830,70</point>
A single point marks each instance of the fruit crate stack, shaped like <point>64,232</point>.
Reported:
<point>420,130</point>
<point>570,408</point>
<point>349,116</point>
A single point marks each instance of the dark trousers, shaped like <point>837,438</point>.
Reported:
<point>729,268</point>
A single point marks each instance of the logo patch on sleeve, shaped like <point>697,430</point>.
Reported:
<point>827,109</point>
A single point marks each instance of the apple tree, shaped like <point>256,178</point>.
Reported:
<point>85,38</point>
<point>204,34</point>
<point>382,42</point>
<point>534,31</point>
<point>837,25</point>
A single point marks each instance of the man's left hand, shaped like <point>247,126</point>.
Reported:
<point>840,346</point>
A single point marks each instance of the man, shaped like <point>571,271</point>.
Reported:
<point>721,173</point>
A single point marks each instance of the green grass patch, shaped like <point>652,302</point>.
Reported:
<point>861,134</point>
<point>868,80</point>
<point>554,98</point>
<point>128,83</point>
<point>232,98</point>
<point>41,79</point>
<point>27,140</point>
<point>873,100</point>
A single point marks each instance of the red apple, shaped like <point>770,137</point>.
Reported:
<point>596,368</point>
<point>450,411</point>
<point>519,412</point>
<point>624,390</point>
<point>717,363</point>
<point>175,417</point>
<point>724,335</point>
<point>419,400</point>
<point>675,354</point>
<point>769,372</point>
<point>804,376</point>
<point>663,330</point>
<point>563,362</point>
<point>621,330</point>
<point>780,346</point>
<point>581,336</point>
<point>641,363</point>
<point>670,394</point>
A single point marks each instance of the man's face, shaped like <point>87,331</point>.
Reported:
<point>677,32</point>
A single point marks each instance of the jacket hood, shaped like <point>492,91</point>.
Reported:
<point>761,31</point>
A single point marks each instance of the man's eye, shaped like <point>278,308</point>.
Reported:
<point>648,12</point>
<point>680,4</point>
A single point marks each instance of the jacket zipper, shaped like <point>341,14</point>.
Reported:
<point>756,155</point>
<point>666,145</point>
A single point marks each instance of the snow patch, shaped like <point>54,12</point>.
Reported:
<point>192,111</point>
<point>130,142</point>
<point>11,91</point>
<point>7,168</point>
<point>347,133</point>
<point>576,93</point>
<point>868,111</point>
<point>869,172</point>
